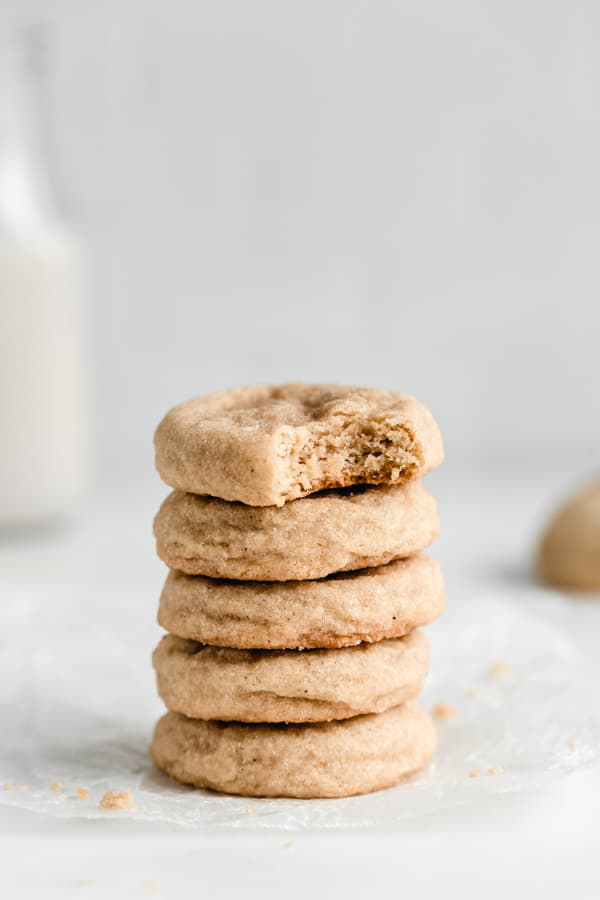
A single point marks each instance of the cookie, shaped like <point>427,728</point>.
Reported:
<point>338,611</point>
<point>334,531</point>
<point>332,759</point>
<point>207,682</point>
<point>266,445</point>
<point>569,553</point>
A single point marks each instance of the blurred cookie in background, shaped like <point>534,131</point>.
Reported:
<point>569,551</point>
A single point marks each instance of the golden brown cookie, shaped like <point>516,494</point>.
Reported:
<point>331,759</point>
<point>265,445</point>
<point>207,682</point>
<point>309,538</point>
<point>569,553</point>
<point>338,611</point>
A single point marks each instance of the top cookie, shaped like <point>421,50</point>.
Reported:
<point>266,445</point>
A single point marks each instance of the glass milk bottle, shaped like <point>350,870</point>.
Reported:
<point>43,430</point>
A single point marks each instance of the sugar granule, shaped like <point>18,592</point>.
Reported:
<point>117,800</point>
<point>444,711</point>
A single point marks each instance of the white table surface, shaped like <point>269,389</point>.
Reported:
<point>544,840</point>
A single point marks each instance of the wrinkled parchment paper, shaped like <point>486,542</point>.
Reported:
<point>77,706</point>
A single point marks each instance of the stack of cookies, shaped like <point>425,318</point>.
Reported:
<point>296,591</point>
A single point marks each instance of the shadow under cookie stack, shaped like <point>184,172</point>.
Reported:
<point>296,591</point>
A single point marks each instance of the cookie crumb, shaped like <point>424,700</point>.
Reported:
<point>250,811</point>
<point>153,886</point>
<point>82,794</point>
<point>55,786</point>
<point>475,773</point>
<point>572,746</point>
<point>495,770</point>
<point>501,670</point>
<point>444,711</point>
<point>8,786</point>
<point>287,845</point>
<point>473,692</point>
<point>23,787</point>
<point>82,882</point>
<point>117,800</point>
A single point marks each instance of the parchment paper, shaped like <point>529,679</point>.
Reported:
<point>78,703</point>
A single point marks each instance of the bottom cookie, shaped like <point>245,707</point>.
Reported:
<point>332,759</point>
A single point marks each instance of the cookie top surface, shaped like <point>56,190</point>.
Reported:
<point>206,682</point>
<point>265,445</point>
<point>338,611</point>
<point>329,759</point>
<point>310,538</point>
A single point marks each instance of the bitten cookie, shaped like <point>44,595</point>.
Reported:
<point>266,445</point>
<point>333,759</point>
<point>289,685</point>
<point>569,553</point>
<point>309,538</point>
<point>338,611</point>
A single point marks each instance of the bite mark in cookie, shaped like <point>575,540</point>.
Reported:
<point>266,445</point>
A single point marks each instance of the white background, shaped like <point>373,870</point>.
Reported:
<point>390,193</point>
